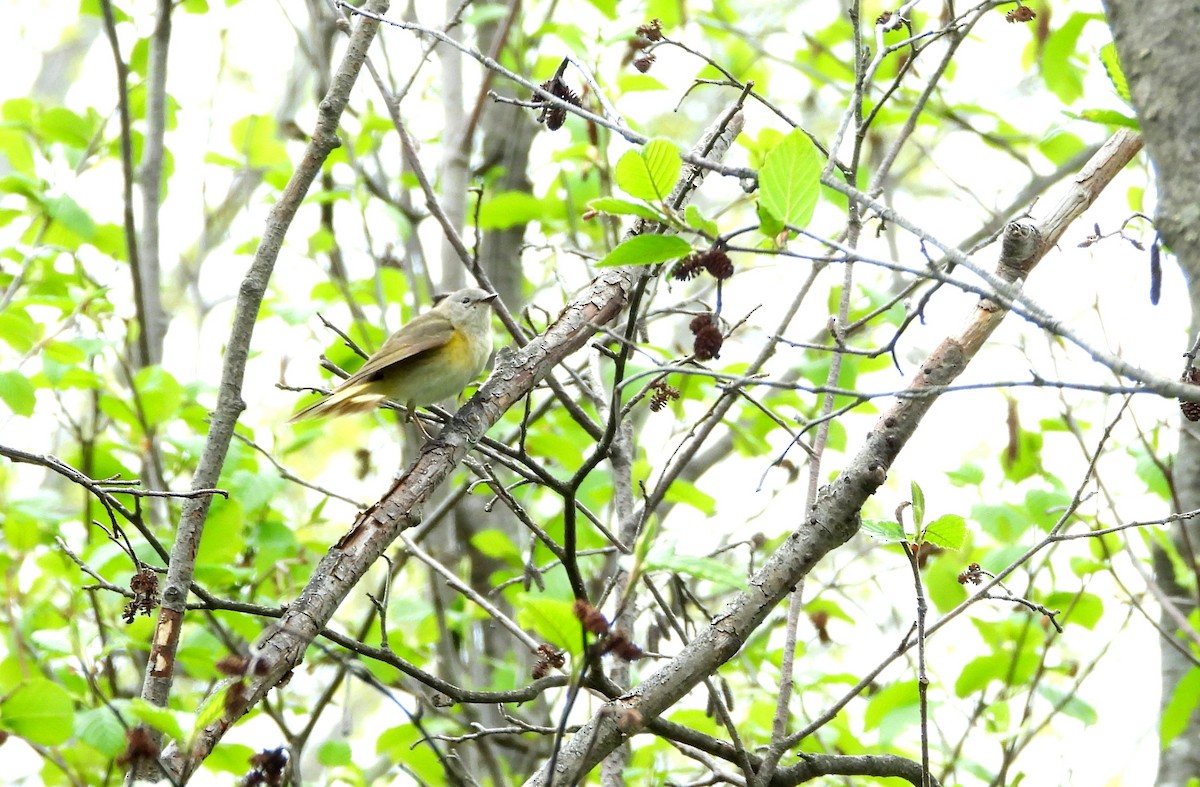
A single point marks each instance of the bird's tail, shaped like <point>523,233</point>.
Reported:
<point>354,398</point>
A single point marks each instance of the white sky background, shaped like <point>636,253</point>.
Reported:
<point>259,47</point>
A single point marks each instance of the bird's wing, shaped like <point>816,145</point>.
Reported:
<point>427,332</point>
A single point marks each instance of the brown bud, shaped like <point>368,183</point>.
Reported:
<point>663,394</point>
<point>592,620</point>
<point>652,30</point>
<point>619,643</point>
<point>1022,13</point>
<point>235,699</point>
<point>820,620</point>
<point>233,664</point>
<point>687,268</point>
<point>973,575</point>
<point>139,745</point>
<point>548,658</point>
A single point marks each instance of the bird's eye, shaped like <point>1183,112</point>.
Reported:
<point>466,300</point>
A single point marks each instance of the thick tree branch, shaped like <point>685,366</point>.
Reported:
<point>1157,47</point>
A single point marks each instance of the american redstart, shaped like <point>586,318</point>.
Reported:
<point>433,357</point>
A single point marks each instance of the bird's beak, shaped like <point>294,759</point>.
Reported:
<point>491,296</point>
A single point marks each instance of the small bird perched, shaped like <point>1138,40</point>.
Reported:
<point>432,357</point>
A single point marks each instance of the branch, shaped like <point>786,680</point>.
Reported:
<point>160,672</point>
<point>282,646</point>
<point>834,519</point>
<point>153,319</point>
<point>129,224</point>
<point>881,765</point>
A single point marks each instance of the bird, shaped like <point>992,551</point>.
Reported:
<point>432,357</point>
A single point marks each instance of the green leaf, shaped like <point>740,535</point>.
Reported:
<point>769,224</point>
<point>699,222</point>
<point>682,491</point>
<point>1106,117</point>
<point>790,180</point>
<point>1082,609</point>
<point>1026,460</point>
<point>606,7</point>
<point>17,392</point>
<point>497,545</point>
<point>1059,145</point>
<point>1135,196</point>
<point>918,505</point>
<point>634,83</point>
<point>1062,64</point>
<point>947,531</point>
<point>552,620</point>
<point>1112,66</point>
<point>646,250</point>
<point>665,558</point>
<point>649,173</point>
<point>645,541</point>
<point>941,580</point>
<point>509,209</point>
<point>69,214</point>
<point>256,138</point>
<point>1150,473</point>
<point>164,720</point>
<point>58,124</point>
<point>1082,566</point>
<point>621,207</point>
<point>1070,704</point>
<point>1055,425</point>
<point>1179,709</point>
<point>967,475</point>
<point>161,395</point>
<point>1045,507</point>
<point>891,710</point>
<point>334,753</point>
<point>883,530</point>
<point>833,609</point>
<point>321,242</point>
<point>63,353</point>
<point>406,744</point>
<point>978,673</point>
<point>15,146</point>
<point>102,730</point>
<point>212,707</point>
<point>229,758</point>
<point>19,330</point>
<point>224,537</point>
<point>27,186</point>
<point>41,711</point>
<point>21,532</point>
<point>18,110</point>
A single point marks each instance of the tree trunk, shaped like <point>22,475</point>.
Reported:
<point>1159,47</point>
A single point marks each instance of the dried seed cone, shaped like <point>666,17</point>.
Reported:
<point>1191,410</point>
<point>718,264</point>
<point>707,344</point>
